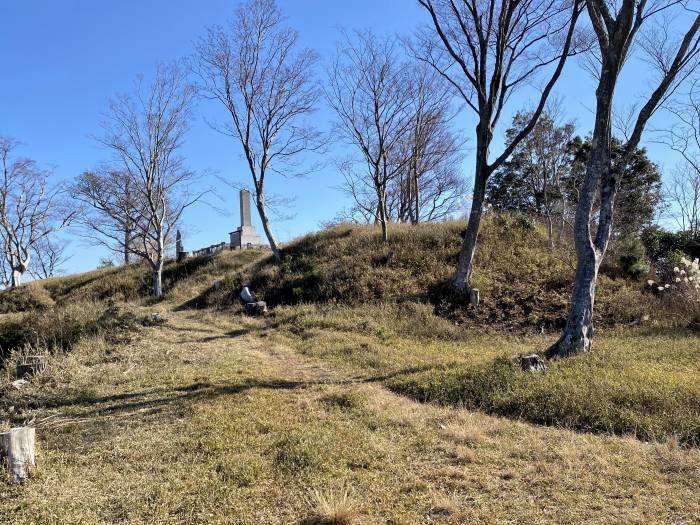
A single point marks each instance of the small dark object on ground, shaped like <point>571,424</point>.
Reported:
<point>154,319</point>
<point>256,308</point>
<point>30,365</point>
<point>252,305</point>
<point>532,363</point>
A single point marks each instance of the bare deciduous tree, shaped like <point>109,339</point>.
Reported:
<point>256,69</point>
<point>30,210</point>
<point>368,90</point>
<point>145,131</point>
<point>683,195</point>
<point>683,192</point>
<point>429,185</point>
<point>49,256</point>
<point>617,24</point>
<point>110,204</point>
<point>486,50</point>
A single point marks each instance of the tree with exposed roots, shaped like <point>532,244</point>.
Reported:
<point>617,25</point>
<point>487,49</point>
<point>257,71</point>
<point>31,209</point>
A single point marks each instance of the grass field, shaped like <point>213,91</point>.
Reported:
<point>211,419</point>
<point>383,409</point>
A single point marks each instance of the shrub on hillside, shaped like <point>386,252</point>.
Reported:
<point>60,328</point>
<point>681,294</point>
<point>32,296</point>
<point>631,257</point>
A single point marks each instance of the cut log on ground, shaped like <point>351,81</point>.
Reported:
<point>256,308</point>
<point>532,363</point>
<point>17,452</point>
<point>30,365</point>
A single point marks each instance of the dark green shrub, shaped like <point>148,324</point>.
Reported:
<point>631,258</point>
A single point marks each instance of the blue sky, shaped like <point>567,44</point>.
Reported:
<point>62,60</point>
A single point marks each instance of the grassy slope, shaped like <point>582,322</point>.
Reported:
<point>217,418</point>
<point>524,284</point>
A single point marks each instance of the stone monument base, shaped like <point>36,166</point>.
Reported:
<point>245,237</point>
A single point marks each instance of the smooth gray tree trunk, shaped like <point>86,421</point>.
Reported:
<point>461,281</point>
<point>157,280</point>
<point>262,211</point>
<point>578,333</point>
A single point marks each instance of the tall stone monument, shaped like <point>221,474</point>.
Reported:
<point>245,236</point>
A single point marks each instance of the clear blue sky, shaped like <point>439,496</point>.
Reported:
<point>62,60</point>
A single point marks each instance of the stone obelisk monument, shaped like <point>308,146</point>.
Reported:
<point>245,236</point>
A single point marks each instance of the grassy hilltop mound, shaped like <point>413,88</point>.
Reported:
<point>523,282</point>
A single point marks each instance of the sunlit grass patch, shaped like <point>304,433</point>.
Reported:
<point>618,388</point>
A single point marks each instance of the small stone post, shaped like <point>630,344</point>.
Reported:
<point>17,451</point>
<point>31,365</point>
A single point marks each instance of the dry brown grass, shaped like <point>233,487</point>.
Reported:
<point>185,423</point>
<point>216,418</point>
<point>331,507</point>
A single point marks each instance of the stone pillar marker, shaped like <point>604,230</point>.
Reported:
<point>245,236</point>
<point>245,208</point>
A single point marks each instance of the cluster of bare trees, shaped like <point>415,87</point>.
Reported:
<point>683,190</point>
<point>395,116</point>
<point>134,205</point>
<point>31,210</point>
<point>397,104</point>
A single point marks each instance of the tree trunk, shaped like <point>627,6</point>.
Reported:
<point>550,230</point>
<point>157,279</point>
<point>381,208</point>
<point>416,197</point>
<point>578,333</point>
<point>461,281</point>
<point>127,243</point>
<point>16,279</point>
<point>260,205</point>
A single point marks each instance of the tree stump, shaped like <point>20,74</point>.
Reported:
<point>17,451</point>
<point>30,365</point>
<point>532,363</point>
<point>256,308</point>
<point>474,297</point>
